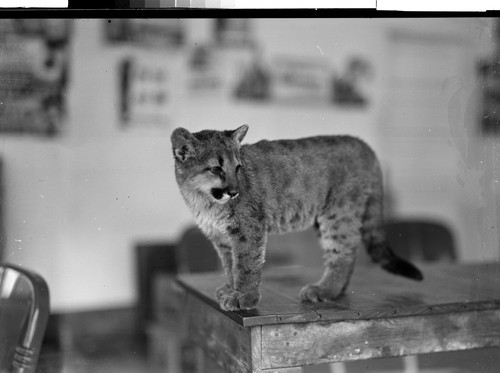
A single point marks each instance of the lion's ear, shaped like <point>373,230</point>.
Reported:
<point>183,144</point>
<point>239,133</point>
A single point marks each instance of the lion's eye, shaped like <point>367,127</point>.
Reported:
<point>238,167</point>
<point>216,170</point>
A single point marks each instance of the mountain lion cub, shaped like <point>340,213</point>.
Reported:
<point>240,193</point>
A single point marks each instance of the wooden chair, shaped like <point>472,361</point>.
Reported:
<point>159,306</point>
<point>24,312</point>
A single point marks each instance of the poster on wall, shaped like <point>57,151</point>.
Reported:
<point>490,97</point>
<point>233,32</point>
<point>146,97</point>
<point>213,74</point>
<point>205,78</point>
<point>349,85</point>
<point>33,75</point>
<point>148,33</point>
<point>300,80</point>
<point>218,53</point>
<point>254,79</point>
<point>489,83</point>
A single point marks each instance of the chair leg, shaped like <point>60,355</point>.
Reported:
<point>192,358</point>
<point>172,347</point>
<point>200,360</point>
<point>338,368</point>
<point>410,364</point>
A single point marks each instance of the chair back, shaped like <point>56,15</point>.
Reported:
<point>24,312</point>
<point>421,240</point>
<point>195,252</point>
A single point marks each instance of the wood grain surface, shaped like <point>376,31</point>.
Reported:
<point>372,294</point>
<point>289,345</point>
<point>224,341</point>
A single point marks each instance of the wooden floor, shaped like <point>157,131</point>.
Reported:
<point>476,361</point>
<point>108,364</point>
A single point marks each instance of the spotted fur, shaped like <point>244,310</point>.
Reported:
<point>241,193</point>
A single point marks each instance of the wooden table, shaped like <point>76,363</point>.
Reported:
<point>456,307</point>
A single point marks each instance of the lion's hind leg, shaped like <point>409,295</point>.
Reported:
<point>340,238</point>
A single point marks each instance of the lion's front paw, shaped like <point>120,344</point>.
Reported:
<point>223,291</point>
<point>315,294</point>
<point>232,300</point>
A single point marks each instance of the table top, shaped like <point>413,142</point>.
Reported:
<point>372,293</point>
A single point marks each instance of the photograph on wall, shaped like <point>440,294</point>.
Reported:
<point>146,99</point>
<point>348,87</point>
<point>206,77</point>
<point>233,32</point>
<point>490,96</point>
<point>300,80</point>
<point>488,76</point>
<point>253,81</point>
<point>147,33</point>
<point>33,75</point>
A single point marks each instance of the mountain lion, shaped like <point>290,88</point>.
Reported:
<point>240,193</point>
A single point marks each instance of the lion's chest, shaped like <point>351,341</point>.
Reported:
<point>212,223</point>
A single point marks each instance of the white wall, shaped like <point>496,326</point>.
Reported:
<point>75,205</point>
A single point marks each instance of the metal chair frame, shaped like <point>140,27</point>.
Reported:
<point>28,347</point>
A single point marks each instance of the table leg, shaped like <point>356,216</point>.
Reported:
<point>337,368</point>
<point>410,364</point>
<point>192,358</point>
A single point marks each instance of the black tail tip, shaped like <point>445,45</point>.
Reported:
<point>403,268</point>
